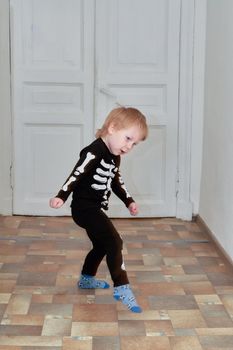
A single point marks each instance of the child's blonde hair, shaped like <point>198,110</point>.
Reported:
<point>123,117</point>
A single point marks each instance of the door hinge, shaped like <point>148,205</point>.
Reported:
<point>177,185</point>
<point>11,177</point>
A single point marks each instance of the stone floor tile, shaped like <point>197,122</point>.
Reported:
<point>185,343</point>
<point>172,270</point>
<point>185,332</point>
<point>40,299</point>
<point>192,236</point>
<point>180,261</point>
<point>227,301</point>
<point>216,341</point>
<point>2,310</point>
<point>130,328</point>
<point>203,287</point>
<point>151,260</point>
<point>56,326</point>
<point>29,340</point>
<point>176,251</point>
<point>159,328</point>
<point>94,313</point>
<point>6,347</point>
<point>77,343</point>
<point>193,269</point>
<point>37,279</point>
<point>214,331</point>
<point>163,236</point>
<point>19,304</point>
<point>208,299</point>
<point>144,343</point>
<point>94,329</point>
<point>21,330</point>
<point>216,316</point>
<point>220,279</point>
<point>186,318</point>
<point>41,348</point>
<point>145,315</point>
<point>147,277</point>
<point>51,309</point>
<point>175,302</point>
<point>161,288</point>
<point>224,290</point>
<point>27,320</point>
<point>4,298</point>
<point>106,343</point>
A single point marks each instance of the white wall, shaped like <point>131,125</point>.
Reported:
<point>5,113</point>
<point>216,200</point>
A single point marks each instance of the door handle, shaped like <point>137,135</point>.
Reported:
<point>107,92</point>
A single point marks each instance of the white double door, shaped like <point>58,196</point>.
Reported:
<point>72,62</point>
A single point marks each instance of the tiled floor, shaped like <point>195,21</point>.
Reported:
<point>180,279</point>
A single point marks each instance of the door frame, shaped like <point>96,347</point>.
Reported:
<point>6,139</point>
<point>191,61</point>
<point>184,204</point>
<point>191,106</point>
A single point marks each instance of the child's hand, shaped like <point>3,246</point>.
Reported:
<point>133,208</point>
<point>56,203</point>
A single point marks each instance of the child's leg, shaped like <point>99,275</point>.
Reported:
<point>93,258</point>
<point>125,294</point>
<point>122,290</point>
<point>106,240</point>
<point>90,282</point>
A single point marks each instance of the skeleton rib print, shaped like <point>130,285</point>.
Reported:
<point>104,176</point>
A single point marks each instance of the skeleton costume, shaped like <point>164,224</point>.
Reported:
<point>91,181</point>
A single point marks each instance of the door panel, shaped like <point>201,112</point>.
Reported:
<point>53,79</point>
<point>137,50</point>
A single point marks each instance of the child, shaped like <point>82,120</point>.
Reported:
<point>91,181</point>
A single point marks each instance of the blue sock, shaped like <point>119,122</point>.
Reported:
<point>89,282</point>
<point>125,294</point>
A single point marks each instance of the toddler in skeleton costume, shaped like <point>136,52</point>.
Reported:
<point>91,181</point>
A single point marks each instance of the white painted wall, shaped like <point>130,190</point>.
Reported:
<point>216,200</point>
<point>5,113</point>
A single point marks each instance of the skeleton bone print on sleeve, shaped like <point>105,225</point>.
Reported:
<point>123,186</point>
<point>79,170</point>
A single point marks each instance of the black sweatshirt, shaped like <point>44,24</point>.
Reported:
<point>93,177</point>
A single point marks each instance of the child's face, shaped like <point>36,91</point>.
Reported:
<point>120,142</point>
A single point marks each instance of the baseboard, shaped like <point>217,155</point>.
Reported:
<point>201,223</point>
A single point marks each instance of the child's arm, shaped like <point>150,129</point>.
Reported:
<point>56,203</point>
<point>133,208</point>
<point>121,191</point>
<point>86,162</point>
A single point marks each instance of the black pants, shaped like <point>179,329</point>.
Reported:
<point>105,240</point>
